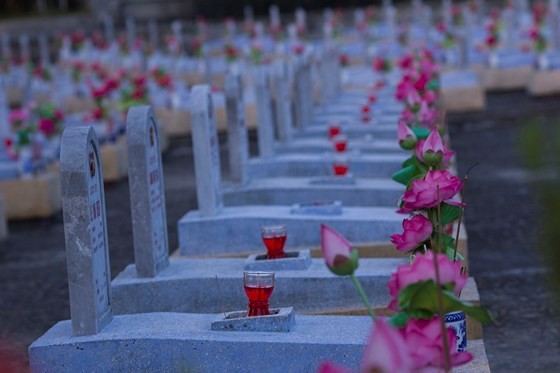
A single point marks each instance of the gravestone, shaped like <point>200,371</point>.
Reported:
<point>206,152</point>
<point>108,27</point>
<point>85,231</point>
<point>236,128</point>
<point>5,44</point>
<point>44,50</point>
<point>177,28</point>
<point>282,101</point>
<point>265,130</point>
<point>24,52</point>
<point>4,112</point>
<point>147,194</point>
<point>130,32</point>
<point>153,33</point>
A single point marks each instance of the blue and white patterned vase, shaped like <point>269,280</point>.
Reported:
<point>458,322</point>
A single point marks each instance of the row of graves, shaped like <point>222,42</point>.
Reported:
<point>360,175</point>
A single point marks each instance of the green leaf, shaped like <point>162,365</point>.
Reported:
<point>400,319</point>
<point>421,133</point>
<point>449,213</point>
<point>404,175</point>
<point>421,299</point>
<point>450,252</point>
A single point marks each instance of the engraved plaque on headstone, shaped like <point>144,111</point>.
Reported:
<point>206,152</point>
<point>237,130</point>
<point>265,130</point>
<point>147,193</point>
<point>85,230</point>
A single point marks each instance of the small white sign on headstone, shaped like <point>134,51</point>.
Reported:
<point>147,193</point>
<point>206,152</point>
<point>236,129</point>
<point>85,230</point>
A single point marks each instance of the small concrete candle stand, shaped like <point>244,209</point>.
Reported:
<point>293,261</point>
<point>280,320</point>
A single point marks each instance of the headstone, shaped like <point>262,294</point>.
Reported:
<point>6,49</point>
<point>85,231</point>
<point>24,52</point>
<point>265,130</point>
<point>301,18</point>
<point>147,193</point>
<point>206,152</point>
<point>282,101</point>
<point>44,50</point>
<point>299,94</point>
<point>177,28</point>
<point>236,128</point>
<point>108,27</point>
<point>248,13</point>
<point>130,32</point>
<point>274,14</point>
<point>153,33</point>
<point>4,112</point>
<point>554,22</point>
<point>446,6</point>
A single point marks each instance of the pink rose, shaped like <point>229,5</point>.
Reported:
<point>423,194</point>
<point>337,252</point>
<point>433,149</point>
<point>422,269</point>
<point>386,350</point>
<point>425,343</point>
<point>18,116</point>
<point>47,127</point>
<point>430,97</point>
<point>416,230</point>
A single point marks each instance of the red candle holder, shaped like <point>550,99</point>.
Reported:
<point>274,238</point>
<point>334,130</point>
<point>340,167</point>
<point>258,288</point>
<point>340,143</point>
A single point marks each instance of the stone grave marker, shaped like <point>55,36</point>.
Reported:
<point>5,44</point>
<point>265,130</point>
<point>130,31</point>
<point>282,101</point>
<point>44,50</point>
<point>24,52</point>
<point>153,33</point>
<point>147,193</point>
<point>85,231</point>
<point>177,28</point>
<point>108,27</point>
<point>238,146</point>
<point>206,152</point>
<point>274,15</point>
<point>4,111</point>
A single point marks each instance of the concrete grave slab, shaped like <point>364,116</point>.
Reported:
<point>462,91</point>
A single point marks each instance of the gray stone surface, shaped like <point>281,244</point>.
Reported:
<point>147,192</point>
<point>265,128</point>
<point>280,320</point>
<point>321,144</point>
<point>293,260</point>
<point>325,208</point>
<point>383,129</point>
<point>238,146</point>
<point>206,152</point>
<point>185,342</point>
<point>312,165</point>
<point>216,285</point>
<point>237,229</point>
<point>85,231</point>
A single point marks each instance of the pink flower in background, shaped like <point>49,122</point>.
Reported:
<point>403,88</point>
<point>337,252</point>
<point>418,150</point>
<point>407,116</point>
<point>430,97</point>
<point>47,127</point>
<point>426,115</point>
<point>421,82</point>
<point>423,269</point>
<point>433,145</point>
<point>416,230</point>
<point>425,343</point>
<point>447,155</point>
<point>406,61</point>
<point>18,116</point>
<point>413,99</point>
<point>386,351</point>
<point>328,367</point>
<point>423,193</point>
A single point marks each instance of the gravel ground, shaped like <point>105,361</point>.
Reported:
<point>502,221</point>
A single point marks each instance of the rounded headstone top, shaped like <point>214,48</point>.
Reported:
<point>73,148</point>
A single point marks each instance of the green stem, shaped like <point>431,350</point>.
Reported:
<point>363,296</point>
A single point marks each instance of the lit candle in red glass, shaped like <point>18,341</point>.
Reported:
<point>366,113</point>
<point>274,238</point>
<point>340,143</point>
<point>258,287</point>
<point>334,130</point>
<point>372,99</point>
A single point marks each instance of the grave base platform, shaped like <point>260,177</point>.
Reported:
<point>318,145</point>
<point>216,285</point>
<point>73,105</point>
<point>506,79</point>
<point>314,165</point>
<point>461,91</point>
<point>544,83</point>
<point>36,197</point>
<point>237,229</point>
<point>185,342</point>
<point>114,161</point>
<point>288,191</point>
<point>386,130</point>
